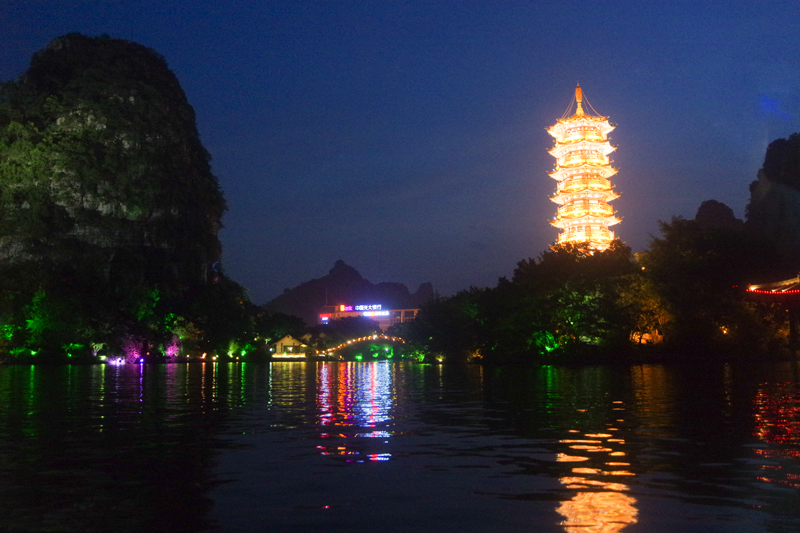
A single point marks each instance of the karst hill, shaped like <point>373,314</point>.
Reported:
<point>345,285</point>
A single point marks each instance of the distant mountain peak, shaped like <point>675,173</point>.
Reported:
<point>343,270</point>
<point>345,285</point>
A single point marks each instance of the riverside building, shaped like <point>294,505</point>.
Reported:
<point>383,316</point>
<point>582,171</point>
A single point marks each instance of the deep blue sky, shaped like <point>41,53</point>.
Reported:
<point>408,138</point>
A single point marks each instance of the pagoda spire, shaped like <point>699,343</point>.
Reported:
<point>583,170</point>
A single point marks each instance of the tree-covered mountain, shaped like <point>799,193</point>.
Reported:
<point>773,214</point>
<point>101,163</point>
<point>109,211</point>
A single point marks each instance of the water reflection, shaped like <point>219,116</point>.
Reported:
<point>601,512</point>
<point>777,422</point>
<point>778,413</point>
<point>581,450</point>
<point>654,389</point>
<point>599,505</point>
<point>83,447</point>
<point>354,401</point>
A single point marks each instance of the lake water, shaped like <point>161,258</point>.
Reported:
<point>294,446</point>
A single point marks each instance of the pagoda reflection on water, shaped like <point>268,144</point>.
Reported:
<point>583,171</point>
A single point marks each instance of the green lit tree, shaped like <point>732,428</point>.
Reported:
<point>566,302</point>
<point>570,297</point>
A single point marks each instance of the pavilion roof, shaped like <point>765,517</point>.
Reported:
<point>787,286</point>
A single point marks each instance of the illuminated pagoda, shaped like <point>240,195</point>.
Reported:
<point>582,171</point>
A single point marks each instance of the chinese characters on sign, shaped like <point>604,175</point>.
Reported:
<point>375,307</point>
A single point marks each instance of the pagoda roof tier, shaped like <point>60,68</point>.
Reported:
<point>562,223</point>
<point>606,195</point>
<point>585,171</point>
<point>585,187</point>
<point>577,160</point>
<point>565,124</point>
<point>561,149</point>
<point>593,239</point>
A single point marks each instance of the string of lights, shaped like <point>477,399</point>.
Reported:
<point>361,339</point>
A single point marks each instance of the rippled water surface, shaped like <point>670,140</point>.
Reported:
<point>399,447</point>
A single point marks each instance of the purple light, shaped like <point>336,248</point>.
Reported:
<point>133,349</point>
<point>174,346</point>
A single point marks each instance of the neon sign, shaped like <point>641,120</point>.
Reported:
<point>358,310</point>
<point>350,308</point>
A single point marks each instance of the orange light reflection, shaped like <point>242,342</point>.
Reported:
<point>598,506</point>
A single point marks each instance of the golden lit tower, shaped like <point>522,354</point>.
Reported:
<point>582,171</point>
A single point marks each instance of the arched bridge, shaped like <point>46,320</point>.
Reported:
<point>369,348</point>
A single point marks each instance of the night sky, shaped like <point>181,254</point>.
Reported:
<point>408,138</point>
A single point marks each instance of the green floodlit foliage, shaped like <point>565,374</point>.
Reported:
<point>7,331</point>
<point>563,303</point>
<point>685,293</point>
<point>370,351</point>
<point>21,352</point>
<point>39,320</point>
<point>545,341</point>
<point>71,348</point>
<point>375,350</point>
<point>115,151</point>
<point>109,211</point>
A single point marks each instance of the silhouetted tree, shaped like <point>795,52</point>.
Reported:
<point>450,326</point>
<point>701,273</point>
